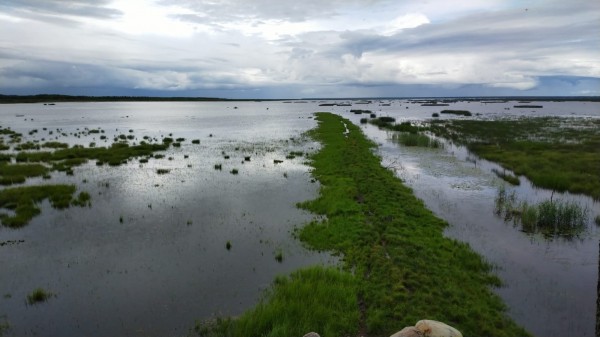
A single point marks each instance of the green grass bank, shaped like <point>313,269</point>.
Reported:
<point>397,267</point>
<point>561,154</point>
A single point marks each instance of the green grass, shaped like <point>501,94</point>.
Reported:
<point>560,154</point>
<point>23,201</point>
<point>116,154</point>
<point>416,139</point>
<point>397,266</point>
<point>18,173</point>
<point>39,295</point>
<point>551,218</point>
<point>312,299</point>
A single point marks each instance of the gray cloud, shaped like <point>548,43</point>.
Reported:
<point>79,8</point>
<point>351,45</point>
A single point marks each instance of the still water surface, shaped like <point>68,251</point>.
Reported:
<point>166,264</point>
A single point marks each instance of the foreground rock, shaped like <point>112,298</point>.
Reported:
<point>428,328</point>
<point>409,331</point>
<point>312,334</point>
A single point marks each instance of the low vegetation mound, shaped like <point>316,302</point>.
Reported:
<point>397,266</point>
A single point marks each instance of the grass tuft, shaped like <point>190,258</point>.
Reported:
<point>39,295</point>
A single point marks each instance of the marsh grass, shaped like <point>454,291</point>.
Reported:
<point>561,154</point>
<point>18,173</point>
<point>416,139</point>
<point>279,255</point>
<point>116,154</point>
<point>311,299</point>
<point>39,295</point>
<point>395,257</point>
<point>550,217</point>
<point>23,201</point>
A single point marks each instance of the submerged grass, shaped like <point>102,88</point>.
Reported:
<point>23,201</point>
<point>562,154</point>
<point>397,266</point>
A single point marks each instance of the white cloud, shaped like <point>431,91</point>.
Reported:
<point>187,45</point>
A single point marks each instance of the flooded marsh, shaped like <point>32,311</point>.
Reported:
<point>152,253</point>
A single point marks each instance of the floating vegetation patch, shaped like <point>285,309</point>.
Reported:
<point>116,154</point>
<point>457,112</point>
<point>552,218</point>
<point>39,295</point>
<point>17,173</point>
<point>528,106</point>
<point>22,202</point>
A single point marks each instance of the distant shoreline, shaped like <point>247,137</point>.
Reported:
<point>51,98</point>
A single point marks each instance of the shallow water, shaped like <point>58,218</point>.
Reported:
<point>166,264</point>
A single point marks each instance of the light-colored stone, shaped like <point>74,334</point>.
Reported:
<point>312,334</point>
<point>409,331</point>
<point>430,328</point>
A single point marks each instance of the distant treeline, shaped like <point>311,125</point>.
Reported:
<point>49,98</point>
<point>45,98</point>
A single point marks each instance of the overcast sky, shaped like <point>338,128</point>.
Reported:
<point>300,48</point>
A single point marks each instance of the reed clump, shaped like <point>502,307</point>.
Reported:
<point>550,217</point>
